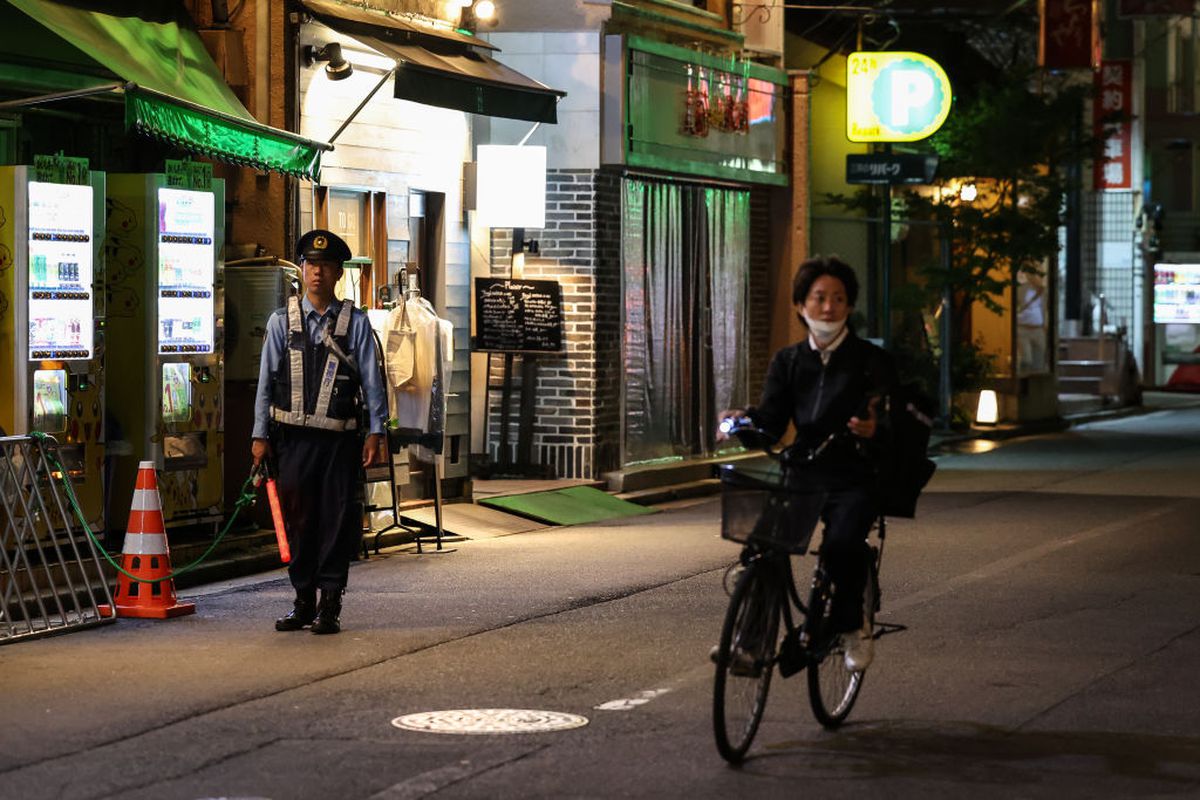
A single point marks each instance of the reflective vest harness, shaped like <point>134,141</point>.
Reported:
<point>298,345</point>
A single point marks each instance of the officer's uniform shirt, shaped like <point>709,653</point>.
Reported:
<point>362,348</point>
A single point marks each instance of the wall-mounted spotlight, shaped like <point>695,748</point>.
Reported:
<point>476,11</point>
<point>337,68</point>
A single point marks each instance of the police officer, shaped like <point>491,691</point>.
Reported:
<point>318,365</point>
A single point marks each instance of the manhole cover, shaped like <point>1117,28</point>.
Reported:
<point>489,720</point>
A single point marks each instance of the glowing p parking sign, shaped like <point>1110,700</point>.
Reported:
<point>894,97</point>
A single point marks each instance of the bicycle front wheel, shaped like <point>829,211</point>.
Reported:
<point>832,686</point>
<point>745,661</point>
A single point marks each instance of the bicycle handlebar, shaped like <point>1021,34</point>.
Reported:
<point>750,435</point>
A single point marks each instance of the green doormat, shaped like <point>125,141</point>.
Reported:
<point>573,506</point>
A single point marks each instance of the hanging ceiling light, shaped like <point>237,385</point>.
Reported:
<point>485,9</point>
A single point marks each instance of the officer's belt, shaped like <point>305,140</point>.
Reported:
<point>312,420</point>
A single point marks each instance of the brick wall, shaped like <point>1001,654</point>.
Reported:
<point>577,422</point>
<point>760,289</point>
<point>609,301</point>
<point>564,432</point>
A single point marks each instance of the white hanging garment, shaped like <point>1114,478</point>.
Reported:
<point>398,346</point>
<point>440,396</point>
<point>413,346</point>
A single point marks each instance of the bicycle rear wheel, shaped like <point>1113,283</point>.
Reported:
<point>745,661</point>
<point>832,686</point>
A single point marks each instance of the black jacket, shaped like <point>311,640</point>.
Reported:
<point>821,398</point>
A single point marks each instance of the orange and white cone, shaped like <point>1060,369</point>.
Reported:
<point>146,556</point>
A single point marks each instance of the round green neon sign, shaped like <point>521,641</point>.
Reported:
<point>894,96</point>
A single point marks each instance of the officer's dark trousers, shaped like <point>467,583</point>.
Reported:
<point>848,515</point>
<point>318,481</point>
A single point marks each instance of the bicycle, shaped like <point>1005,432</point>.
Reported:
<point>761,512</point>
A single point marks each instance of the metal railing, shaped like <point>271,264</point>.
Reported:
<point>51,578</point>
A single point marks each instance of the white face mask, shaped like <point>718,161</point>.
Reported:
<point>823,330</point>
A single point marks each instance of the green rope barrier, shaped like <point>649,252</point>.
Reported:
<point>246,496</point>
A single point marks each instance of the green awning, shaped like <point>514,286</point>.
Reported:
<point>226,138</point>
<point>173,90</point>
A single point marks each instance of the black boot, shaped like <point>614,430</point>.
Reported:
<point>328,612</point>
<point>303,612</point>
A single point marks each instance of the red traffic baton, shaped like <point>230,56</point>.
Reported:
<point>285,552</point>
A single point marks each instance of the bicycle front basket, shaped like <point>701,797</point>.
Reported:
<point>779,518</point>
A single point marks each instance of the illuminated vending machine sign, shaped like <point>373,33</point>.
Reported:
<point>60,272</point>
<point>185,272</point>
<point>1176,293</point>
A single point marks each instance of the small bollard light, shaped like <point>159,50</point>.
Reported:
<point>987,413</point>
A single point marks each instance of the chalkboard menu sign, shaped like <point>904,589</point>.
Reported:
<point>518,316</point>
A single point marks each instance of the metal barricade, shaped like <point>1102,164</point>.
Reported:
<point>51,579</point>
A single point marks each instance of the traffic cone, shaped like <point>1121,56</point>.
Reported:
<point>145,555</point>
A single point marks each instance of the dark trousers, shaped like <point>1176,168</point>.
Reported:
<point>318,482</point>
<point>848,515</point>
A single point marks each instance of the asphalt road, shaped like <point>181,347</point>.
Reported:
<point>1050,589</point>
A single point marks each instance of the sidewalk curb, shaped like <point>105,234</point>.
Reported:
<point>266,562</point>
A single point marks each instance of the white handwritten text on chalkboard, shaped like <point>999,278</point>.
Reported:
<point>514,316</point>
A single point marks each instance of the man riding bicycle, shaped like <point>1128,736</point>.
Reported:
<point>831,383</point>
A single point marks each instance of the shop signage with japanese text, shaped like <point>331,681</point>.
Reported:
<point>61,169</point>
<point>894,96</point>
<point>890,168</point>
<point>188,174</point>
<point>1113,126</point>
<point>1070,34</point>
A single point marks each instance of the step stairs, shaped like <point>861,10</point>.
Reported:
<point>1084,362</point>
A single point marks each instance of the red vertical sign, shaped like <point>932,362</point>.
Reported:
<point>1112,125</point>
<point>1070,34</point>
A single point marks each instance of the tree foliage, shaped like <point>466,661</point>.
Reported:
<point>1014,142</point>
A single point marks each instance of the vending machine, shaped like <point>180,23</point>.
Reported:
<point>165,241</point>
<point>1176,353</point>
<point>52,316</point>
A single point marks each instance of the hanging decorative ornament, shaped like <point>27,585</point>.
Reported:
<point>702,103</point>
<point>690,103</point>
<point>716,100</point>
<point>743,101</point>
<point>731,105</point>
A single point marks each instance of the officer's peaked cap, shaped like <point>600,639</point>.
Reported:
<point>322,245</point>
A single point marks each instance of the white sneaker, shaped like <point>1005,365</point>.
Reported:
<point>860,649</point>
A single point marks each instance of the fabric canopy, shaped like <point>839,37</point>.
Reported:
<point>441,67</point>
<point>173,90</point>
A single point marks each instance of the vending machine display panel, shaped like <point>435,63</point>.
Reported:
<point>185,271</point>
<point>60,272</point>
<point>1176,293</point>
<point>50,400</point>
<point>176,392</point>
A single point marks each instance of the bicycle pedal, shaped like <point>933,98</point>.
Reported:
<point>884,628</point>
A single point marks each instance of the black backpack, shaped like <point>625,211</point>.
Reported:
<point>906,467</point>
